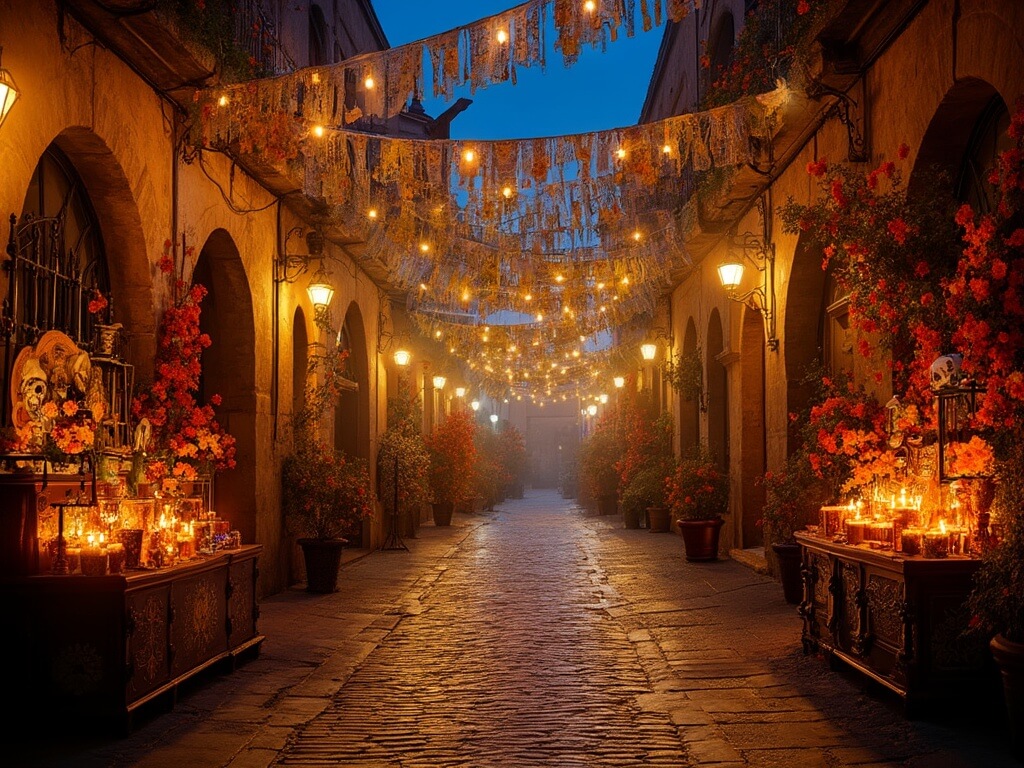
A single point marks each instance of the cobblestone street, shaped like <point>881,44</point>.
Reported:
<point>538,636</point>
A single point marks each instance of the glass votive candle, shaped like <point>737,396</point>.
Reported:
<point>912,540</point>
<point>186,547</point>
<point>131,539</point>
<point>935,544</point>
<point>94,561</point>
<point>959,543</point>
<point>115,558</point>
<point>855,531</point>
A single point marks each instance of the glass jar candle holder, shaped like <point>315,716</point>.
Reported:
<point>935,544</point>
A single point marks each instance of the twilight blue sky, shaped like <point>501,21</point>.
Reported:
<point>602,90</point>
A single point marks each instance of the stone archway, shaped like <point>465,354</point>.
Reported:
<point>689,410</point>
<point>753,446</point>
<point>120,223</point>
<point>229,370</point>
<point>718,396</point>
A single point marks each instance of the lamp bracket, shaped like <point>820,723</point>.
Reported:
<point>761,298</point>
<point>849,113</point>
<point>288,267</point>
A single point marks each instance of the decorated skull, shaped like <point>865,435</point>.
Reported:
<point>945,371</point>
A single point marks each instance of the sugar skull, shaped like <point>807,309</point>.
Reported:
<point>945,371</point>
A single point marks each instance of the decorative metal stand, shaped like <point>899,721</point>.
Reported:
<point>394,539</point>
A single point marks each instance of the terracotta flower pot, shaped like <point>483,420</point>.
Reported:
<point>659,520</point>
<point>700,538</point>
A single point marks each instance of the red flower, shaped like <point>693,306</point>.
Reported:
<point>802,7</point>
<point>818,168</point>
<point>898,229</point>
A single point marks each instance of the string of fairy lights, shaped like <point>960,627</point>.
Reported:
<point>536,262</point>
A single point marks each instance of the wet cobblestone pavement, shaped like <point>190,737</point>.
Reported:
<point>536,635</point>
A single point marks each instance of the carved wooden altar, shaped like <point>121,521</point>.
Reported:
<point>897,619</point>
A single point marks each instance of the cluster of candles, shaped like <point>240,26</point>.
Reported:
<point>897,523</point>
<point>171,540</point>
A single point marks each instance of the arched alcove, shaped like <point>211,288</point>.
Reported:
<point>689,408</point>
<point>300,359</point>
<point>352,413</point>
<point>718,397</point>
<point>128,266</point>
<point>753,448</point>
<point>229,370</point>
<point>806,305</point>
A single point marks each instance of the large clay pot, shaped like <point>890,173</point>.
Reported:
<point>788,558</point>
<point>443,512</point>
<point>323,561</point>
<point>700,538</point>
<point>658,519</point>
<point>1009,657</point>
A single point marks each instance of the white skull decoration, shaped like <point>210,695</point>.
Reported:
<point>946,371</point>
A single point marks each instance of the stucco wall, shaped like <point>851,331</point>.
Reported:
<point>119,134</point>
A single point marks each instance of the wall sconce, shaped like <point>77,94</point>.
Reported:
<point>602,398</point>
<point>460,391</point>
<point>761,253</point>
<point>494,419</point>
<point>8,91</point>
<point>439,382</point>
<point>591,410</point>
<point>619,381</point>
<point>402,357</point>
<point>475,405</point>
<point>649,349</point>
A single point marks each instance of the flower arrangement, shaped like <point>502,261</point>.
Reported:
<point>186,441</point>
<point>647,463</point>
<point>792,498</point>
<point>403,462</point>
<point>975,458</point>
<point>326,493</point>
<point>869,230</point>
<point>697,488</point>
<point>452,457</point>
<point>775,35</point>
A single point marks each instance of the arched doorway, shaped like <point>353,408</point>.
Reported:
<point>689,407</point>
<point>806,304</point>
<point>718,397</point>
<point>753,449</point>
<point>229,370</point>
<point>352,412</point>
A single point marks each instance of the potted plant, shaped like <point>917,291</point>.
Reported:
<point>648,460</point>
<point>599,455</point>
<point>490,474</point>
<point>452,459</point>
<point>327,495</point>
<point>791,498</point>
<point>403,464</point>
<point>514,458</point>
<point>698,496</point>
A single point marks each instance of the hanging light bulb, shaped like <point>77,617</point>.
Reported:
<point>589,6</point>
<point>637,235</point>
<point>666,149</point>
<point>424,247</point>
<point>318,131</point>
<point>372,213</point>
<point>222,101</point>
<point>528,297</point>
<point>502,36</point>
<point>620,153</point>
<point>460,391</point>
<point>469,155</point>
<point>507,192</point>
<point>619,381</point>
<point>475,405</point>
<point>369,82</point>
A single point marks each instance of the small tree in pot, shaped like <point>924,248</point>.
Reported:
<point>452,463</point>
<point>403,465</point>
<point>698,495</point>
<point>599,455</point>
